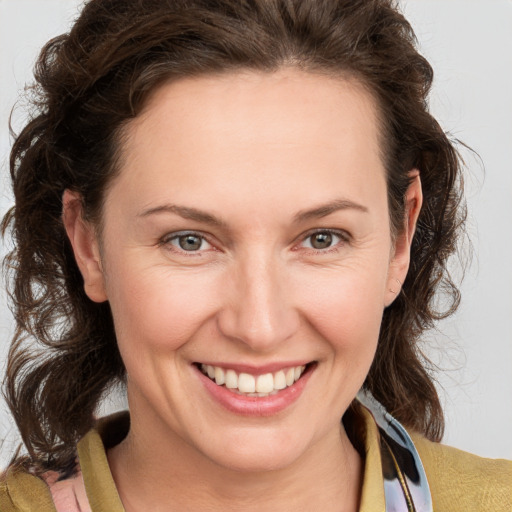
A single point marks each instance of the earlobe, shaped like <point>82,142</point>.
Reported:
<point>399,264</point>
<point>85,245</point>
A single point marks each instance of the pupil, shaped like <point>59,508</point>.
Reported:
<point>190,242</point>
<point>321,240</point>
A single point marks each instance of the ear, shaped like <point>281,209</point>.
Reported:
<point>85,245</point>
<point>400,258</point>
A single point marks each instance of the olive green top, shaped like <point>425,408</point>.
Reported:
<point>458,480</point>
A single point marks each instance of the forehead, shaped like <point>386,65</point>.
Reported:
<point>254,131</point>
<point>236,102</point>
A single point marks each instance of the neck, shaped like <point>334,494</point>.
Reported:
<point>172,475</point>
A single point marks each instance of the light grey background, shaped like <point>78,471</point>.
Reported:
<point>469,44</point>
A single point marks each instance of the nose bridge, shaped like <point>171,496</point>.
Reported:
<point>259,310</point>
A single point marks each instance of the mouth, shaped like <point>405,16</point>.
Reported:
<point>256,386</point>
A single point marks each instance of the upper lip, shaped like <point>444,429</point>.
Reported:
<point>257,369</point>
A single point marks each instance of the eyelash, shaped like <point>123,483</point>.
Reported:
<point>342,235</point>
<point>167,239</point>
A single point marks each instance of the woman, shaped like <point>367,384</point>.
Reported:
<point>242,211</point>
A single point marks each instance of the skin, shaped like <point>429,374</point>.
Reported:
<point>254,151</point>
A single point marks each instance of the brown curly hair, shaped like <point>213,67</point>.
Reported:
<point>95,79</point>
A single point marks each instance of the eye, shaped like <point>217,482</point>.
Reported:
<point>321,240</point>
<point>188,242</point>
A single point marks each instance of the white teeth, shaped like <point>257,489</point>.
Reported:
<point>290,376</point>
<point>246,383</point>
<point>231,379</point>
<point>249,385</point>
<point>265,383</point>
<point>220,376</point>
<point>279,380</point>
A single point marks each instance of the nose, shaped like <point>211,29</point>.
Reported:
<point>258,308</point>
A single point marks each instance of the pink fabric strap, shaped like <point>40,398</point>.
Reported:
<point>68,495</point>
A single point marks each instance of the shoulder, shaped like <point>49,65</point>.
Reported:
<point>462,481</point>
<point>23,492</point>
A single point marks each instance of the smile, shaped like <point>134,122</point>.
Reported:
<point>247,384</point>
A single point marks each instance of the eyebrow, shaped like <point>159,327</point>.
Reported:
<point>328,208</point>
<point>187,213</point>
<point>197,215</point>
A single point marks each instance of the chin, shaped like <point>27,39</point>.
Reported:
<point>256,455</point>
<point>255,462</point>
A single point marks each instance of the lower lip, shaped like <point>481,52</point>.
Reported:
<point>252,405</point>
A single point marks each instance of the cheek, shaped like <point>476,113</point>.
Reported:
<point>159,310</point>
<point>345,306</point>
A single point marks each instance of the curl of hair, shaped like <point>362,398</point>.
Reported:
<point>95,79</point>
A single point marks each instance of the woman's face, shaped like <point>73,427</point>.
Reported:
<point>247,231</point>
